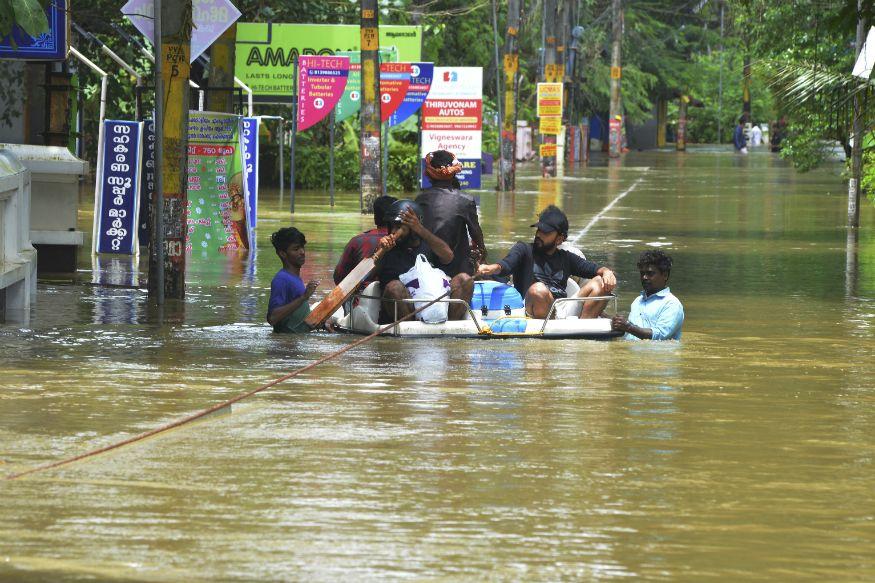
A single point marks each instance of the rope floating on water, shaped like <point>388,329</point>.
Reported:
<point>204,412</point>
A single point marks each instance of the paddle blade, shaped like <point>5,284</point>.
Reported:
<point>340,294</point>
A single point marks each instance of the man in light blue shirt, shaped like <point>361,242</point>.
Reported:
<point>656,314</point>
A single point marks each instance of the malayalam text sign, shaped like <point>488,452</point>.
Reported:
<point>147,181</point>
<point>265,52</point>
<point>549,99</point>
<point>116,206</point>
<point>211,18</point>
<point>321,84</point>
<point>249,140</point>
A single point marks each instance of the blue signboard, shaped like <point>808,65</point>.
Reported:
<point>118,186</point>
<point>49,46</point>
<point>420,82</point>
<point>250,165</point>
<point>469,177</point>
<point>147,181</point>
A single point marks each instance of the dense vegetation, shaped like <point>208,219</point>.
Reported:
<point>801,54</point>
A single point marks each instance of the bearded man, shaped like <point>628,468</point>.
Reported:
<point>541,270</point>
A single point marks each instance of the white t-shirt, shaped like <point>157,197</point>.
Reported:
<point>756,136</point>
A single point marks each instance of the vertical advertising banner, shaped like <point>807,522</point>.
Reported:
<point>250,166</point>
<point>147,182</point>
<point>351,100</point>
<point>394,82</point>
<point>217,199</point>
<point>320,85</point>
<point>452,120</point>
<point>118,177</point>
<point>420,83</point>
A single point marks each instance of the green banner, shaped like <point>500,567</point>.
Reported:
<point>265,52</point>
<point>217,198</point>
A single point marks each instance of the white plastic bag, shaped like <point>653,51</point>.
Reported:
<point>426,283</point>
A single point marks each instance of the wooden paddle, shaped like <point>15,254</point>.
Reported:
<point>347,287</point>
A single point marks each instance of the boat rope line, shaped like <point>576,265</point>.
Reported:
<point>204,412</point>
<point>602,212</point>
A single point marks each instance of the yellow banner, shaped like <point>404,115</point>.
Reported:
<point>549,99</point>
<point>551,125</point>
<point>548,150</point>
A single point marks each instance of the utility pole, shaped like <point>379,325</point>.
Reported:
<point>499,126</point>
<point>221,81</point>
<point>615,125</point>
<point>720,84</point>
<point>371,159</point>
<point>857,145</point>
<point>549,74</point>
<point>745,82</point>
<point>167,255</point>
<point>507,163</point>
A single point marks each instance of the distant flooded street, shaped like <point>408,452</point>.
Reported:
<point>745,452</point>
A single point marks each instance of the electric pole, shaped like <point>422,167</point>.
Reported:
<point>857,145</point>
<point>221,82</point>
<point>507,163</point>
<point>167,253</point>
<point>549,75</point>
<point>371,158</point>
<point>616,122</point>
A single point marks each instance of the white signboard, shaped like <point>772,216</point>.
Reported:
<point>211,19</point>
<point>863,66</point>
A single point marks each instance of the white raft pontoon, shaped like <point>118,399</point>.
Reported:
<point>493,313</point>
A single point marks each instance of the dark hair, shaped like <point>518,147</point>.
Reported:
<point>656,258</point>
<point>381,206</point>
<point>287,236</point>
<point>441,158</point>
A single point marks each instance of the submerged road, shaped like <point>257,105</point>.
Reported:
<point>744,452</point>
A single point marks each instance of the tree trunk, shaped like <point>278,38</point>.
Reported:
<point>857,147</point>
<point>681,137</point>
<point>371,159</point>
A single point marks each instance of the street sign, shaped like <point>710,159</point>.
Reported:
<point>211,18</point>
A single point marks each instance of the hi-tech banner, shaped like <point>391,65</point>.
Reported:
<point>452,120</point>
<point>321,81</point>
<point>421,75</point>
<point>217,198</point>
<point>118,177</point>
<point>265,52</point>
<point>394,82</point>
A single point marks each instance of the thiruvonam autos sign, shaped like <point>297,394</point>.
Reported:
<point>265,52</point>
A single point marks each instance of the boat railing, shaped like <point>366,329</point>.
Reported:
<point>612,298</point>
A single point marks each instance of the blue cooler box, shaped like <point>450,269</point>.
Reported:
<point>498,299</point>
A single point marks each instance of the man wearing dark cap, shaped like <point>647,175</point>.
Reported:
<point>364,244</point>
<point>450,214</point>
<point>541,269</point>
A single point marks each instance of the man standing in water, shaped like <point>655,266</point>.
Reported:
<point>656,314</point>
<point>541,269</point>
<point>451,215</point>
<point>288,305</point>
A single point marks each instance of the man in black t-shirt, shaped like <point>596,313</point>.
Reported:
<point>406,240</point>
<point>541,269</point>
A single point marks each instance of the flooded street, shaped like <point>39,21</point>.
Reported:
<point>745,452</point>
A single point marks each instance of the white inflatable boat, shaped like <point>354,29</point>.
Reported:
<point>496,311</point>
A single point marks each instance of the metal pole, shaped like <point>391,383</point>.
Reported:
<point>858,131</point>
<point>157,239</point>
<point>294,134</point>
<point>720,84</point>
<point>282,147</point>
<point>499,126</point>
<point>331,157</point>
<point>385,157</point>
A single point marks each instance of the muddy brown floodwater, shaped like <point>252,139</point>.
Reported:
<point>744,452</point>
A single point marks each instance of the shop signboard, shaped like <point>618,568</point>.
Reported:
<point>321,82</point>
<point>118,178</point>
<point>51,45</point>
<point>420,83</point>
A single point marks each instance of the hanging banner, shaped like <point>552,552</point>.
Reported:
<point>420,83</point>
<point>320,85</point>
<point>118,177</point>
<point>147,182</point>
<point>351,100</point>
<point>549,99</point>
<point>49,46</point>
<point>210,18</point>
<point>265,51</point>
<point>250,166</point>
<point>217,192</point>
<point>394,82</point>
<point>452,120</point>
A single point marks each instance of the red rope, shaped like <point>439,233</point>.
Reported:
<point>223,404</point>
